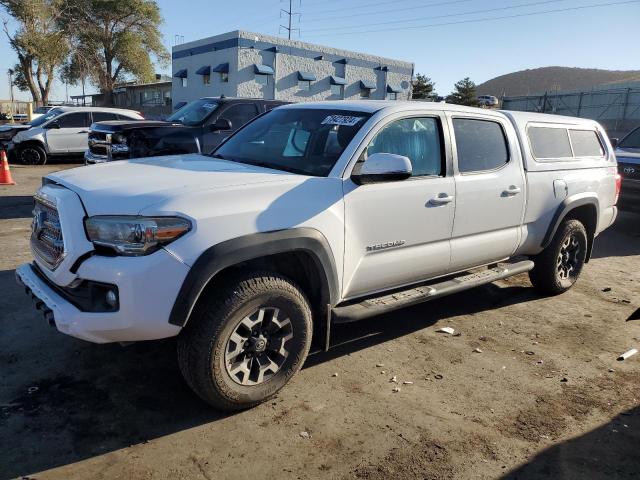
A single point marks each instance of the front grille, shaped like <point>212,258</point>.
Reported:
<point>47,242</point>
<point>98,142</point>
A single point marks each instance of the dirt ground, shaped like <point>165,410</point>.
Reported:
<point>545,398</point>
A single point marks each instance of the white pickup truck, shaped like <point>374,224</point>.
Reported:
<point>313,214</point>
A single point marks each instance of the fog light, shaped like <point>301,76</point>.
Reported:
<point>111,299</point>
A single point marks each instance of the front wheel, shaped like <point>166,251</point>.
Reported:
<point>246,342</point>
<point>558,267</point>
<point>32,155</point>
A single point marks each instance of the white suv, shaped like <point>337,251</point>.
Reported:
<point>62,131</point>
<point>312,214</point>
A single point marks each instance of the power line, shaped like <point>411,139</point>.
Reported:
<point>431,17</point>
<point>360,14</point>
<point>479,20</point>
<point>290,14</point>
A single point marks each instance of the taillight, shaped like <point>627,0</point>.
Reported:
<point>618,187</point>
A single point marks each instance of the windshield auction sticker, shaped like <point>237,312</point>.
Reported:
<point>346,120</point>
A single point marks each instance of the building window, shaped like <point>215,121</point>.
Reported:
<point>392,96</point>
<point>337,90</point>
<point>224,77</point>
<point>184,81</point>
<point>365,93</point>
<point>262,79</point>
<point>304,85</point>
<point>206,79</point>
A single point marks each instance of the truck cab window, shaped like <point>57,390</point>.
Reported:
<point>418,139</point>
<point>481,145</point>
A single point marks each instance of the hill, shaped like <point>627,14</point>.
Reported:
<point>539,80</point>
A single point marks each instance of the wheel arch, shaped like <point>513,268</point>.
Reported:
<point>585,209</point>
<point>302,253</point>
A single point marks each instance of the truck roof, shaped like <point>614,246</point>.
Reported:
<point>96,109</point>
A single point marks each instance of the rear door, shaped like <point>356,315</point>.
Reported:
<point>72,135</point>
<point>490,190</point>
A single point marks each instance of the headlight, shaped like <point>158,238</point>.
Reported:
<point>133,236</point>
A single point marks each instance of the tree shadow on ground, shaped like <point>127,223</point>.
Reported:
<point>608,452</point>
<point>16,206</point>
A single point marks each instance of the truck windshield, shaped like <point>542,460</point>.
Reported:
<point>194,113</point>
<point>45,118</point>
<point>632,140</point>
<point>301,140</point>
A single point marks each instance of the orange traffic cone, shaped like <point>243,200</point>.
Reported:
<point>5,173</point>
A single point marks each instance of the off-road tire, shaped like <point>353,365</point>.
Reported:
<point>31,155</point>
<point>203,342</point>
<point>546,276</point>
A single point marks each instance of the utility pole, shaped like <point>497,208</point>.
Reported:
<point>10,72</point>
<point>290,14</point>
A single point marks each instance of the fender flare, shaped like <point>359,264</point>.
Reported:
<point>249,247</point>
<point>567,205</point>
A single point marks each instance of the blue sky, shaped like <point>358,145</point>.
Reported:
<point>601,37</point>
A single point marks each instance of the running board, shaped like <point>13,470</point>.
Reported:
<point>406,298</point>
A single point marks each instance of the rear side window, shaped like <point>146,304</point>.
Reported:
<point>481,145</point>
<point>103,116</point>
<point>549,142</point>
<point>586,143</point>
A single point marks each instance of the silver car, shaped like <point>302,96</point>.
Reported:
<point>62,131</point>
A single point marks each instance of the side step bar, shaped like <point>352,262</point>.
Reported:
<point>406,298</point>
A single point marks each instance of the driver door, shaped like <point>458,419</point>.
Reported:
<point>72,135</point>
<point>398,233</point>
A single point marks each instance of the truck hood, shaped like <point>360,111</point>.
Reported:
<point>127,187</point>
<point>122,125</point>
<point>626,154</point>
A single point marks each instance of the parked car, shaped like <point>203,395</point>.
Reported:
<point>313,214</point>
<point>61,132</point>
<point>628,154</point>
<point>8,131</point>
<point>197,127</point>
<point>38,112</point>
<point>488,101</point>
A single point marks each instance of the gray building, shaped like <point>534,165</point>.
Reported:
<point>246,64</point>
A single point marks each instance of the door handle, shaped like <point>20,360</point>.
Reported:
<point>512,190</point>
<point>83,131</point>
<point>441,199</point>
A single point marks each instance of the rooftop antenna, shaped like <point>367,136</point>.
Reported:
<point>178,39</point>
<point>290,14</point>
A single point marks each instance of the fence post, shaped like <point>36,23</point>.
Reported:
<point>580,103</point>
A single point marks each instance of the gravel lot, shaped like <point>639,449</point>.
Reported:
<point>545,398</point>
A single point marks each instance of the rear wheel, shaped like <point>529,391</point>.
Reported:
<point>32,155</point>
<point>244,344</point>
<point>558,267</point>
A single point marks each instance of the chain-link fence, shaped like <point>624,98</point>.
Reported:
<point>617,109</point>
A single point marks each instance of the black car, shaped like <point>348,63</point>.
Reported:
<point>628,155</point>
<point>197,127</point>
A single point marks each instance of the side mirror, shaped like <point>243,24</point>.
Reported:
<point>614,142</point>
<point>383,167</point>
<point>54,124</point>
<point>221,124</point>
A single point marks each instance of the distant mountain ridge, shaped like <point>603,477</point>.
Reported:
<point>539,80</point>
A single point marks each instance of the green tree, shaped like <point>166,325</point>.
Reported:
<point>39,41</point>
<point>423,87</point>
<point>464,93</point>
<point>116,39</point>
